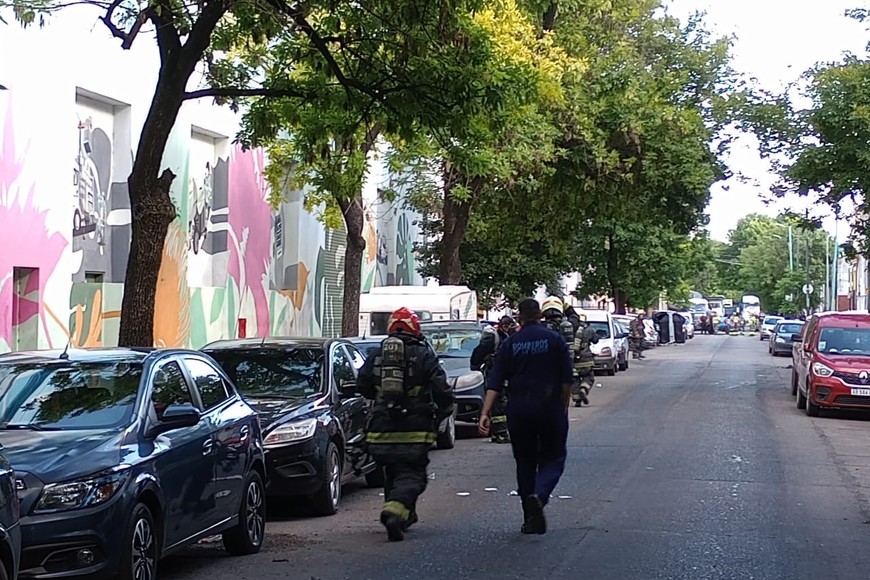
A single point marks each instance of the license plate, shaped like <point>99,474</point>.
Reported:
<point>861,392</point>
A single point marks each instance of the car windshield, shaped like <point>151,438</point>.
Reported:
<point>844,341</point>
<point>790,328</point>
<point>452,342</point>
<point>68,395</point>
<point>602,329</point>
<point>291,373</point>
<point>770,321</point>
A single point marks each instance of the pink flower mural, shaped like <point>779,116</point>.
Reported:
<point>28,243</point>
<point>250,218</point>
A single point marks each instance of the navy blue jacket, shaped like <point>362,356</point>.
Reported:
<point>533,360</point>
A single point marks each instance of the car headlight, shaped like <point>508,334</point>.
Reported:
<point>781,339</point>
<point>81,493</point>
<point>291,432</point>
<point>606,351</point>
<point>821,370</point>
<point>469,380</point>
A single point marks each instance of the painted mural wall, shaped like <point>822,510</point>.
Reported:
<point>232,266</point>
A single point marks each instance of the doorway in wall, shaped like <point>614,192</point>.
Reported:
<point>25,308</point>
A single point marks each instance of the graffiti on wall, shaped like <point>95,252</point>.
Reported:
<point>232,264</point>
<point>38,250</point>
<point>101,203</point>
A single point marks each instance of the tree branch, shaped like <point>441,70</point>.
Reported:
<point>235,92</point>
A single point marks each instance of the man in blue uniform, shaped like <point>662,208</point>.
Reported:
<point>536,364</point>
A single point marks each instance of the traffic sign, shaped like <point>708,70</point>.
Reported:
<point>808,289</point>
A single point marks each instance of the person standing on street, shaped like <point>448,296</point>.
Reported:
<point>637,331</point>
<point>482,359</point>
<point>412,397</point>
<point>536,365</point>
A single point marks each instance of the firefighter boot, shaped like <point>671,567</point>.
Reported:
<point>395,526</point>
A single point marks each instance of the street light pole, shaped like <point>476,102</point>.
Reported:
<point>790,251</point>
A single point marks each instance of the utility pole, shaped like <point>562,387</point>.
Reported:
<point>836,266</point>
<point>808,266</point>
<point>790,250</point>
<point>828,285</point>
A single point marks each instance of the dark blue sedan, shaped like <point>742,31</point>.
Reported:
<point>123,456</point>
<point>10,528</point>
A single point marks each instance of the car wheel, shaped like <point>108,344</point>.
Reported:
<point>612,370</point>
<point>326,500</point>
<point>801,399</point>
<point>247,537</point>
<point>624,365</point>
<point>376,477</point>
<point>794,383</point>
<point>139,560</point>
<point>811,408</point>
<point>447,438</point>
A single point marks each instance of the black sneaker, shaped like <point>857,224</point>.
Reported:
<point>533,510</point>
<point>395,526</point>
<point>584,399</point>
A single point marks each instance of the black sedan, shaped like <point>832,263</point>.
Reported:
<point>780,338</point>
<point>123,456</point>
<point>314,422</point>
<point>446,437</point>
<point>454,341</point>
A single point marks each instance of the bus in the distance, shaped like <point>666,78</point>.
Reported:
<point>750,305</point>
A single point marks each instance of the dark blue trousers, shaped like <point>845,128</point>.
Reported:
<point>539,435</point>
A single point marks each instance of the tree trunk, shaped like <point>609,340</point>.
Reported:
<point>456,215</point>
<point>151,207</point>
<point>354,219</point>
<point>616,292</point>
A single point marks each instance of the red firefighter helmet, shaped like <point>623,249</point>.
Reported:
<point>404,320</point>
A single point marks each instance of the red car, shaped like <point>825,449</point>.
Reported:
<point>832,362</point>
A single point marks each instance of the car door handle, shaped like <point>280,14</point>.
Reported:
<point>207,447</point>
<point>244,432</point>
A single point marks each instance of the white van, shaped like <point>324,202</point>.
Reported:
<point>611,351</point>
<point>431,303</point>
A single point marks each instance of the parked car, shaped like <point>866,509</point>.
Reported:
<point>768,325</point>
<point>454,341</point>
<point>611,350</point>
<point>446,436</point>
<point>689,325</point>
<point>831,365</point>
<point>304,390</point>
<point>123,456</point>
<point>622,346</point>
<point>10,526</point>
<point>780,341</point>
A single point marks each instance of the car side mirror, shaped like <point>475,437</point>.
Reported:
<point>176,417</point>
<point>797,338</point>
<point>622,335</point>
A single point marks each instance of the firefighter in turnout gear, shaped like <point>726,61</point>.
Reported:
<point>411,398</point>
<point>636,330</point>
<point>482,359</point>
<point>584,362</point>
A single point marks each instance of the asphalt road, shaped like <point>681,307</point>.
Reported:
<point>693,464</point>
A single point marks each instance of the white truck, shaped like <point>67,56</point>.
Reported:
<point>431,303</point>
